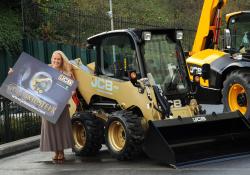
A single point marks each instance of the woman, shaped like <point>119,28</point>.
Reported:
<point>57,137</point>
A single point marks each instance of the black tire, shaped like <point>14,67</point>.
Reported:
<point>133,135</point>
<point>88,134</point>
<point>236,92</point>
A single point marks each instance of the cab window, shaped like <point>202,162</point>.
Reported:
<point>118,56</point>
<point>239,27</point>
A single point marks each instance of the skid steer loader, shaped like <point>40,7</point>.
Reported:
<point>136,96</point>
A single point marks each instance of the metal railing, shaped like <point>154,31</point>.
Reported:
<point>73,26</point>
<point>16,122</point>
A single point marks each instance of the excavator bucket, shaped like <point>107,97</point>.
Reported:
<point>194,139</point>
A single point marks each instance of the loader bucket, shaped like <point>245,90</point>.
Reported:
<point>194,139</point>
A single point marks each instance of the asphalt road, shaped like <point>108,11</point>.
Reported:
<point>35,162</point>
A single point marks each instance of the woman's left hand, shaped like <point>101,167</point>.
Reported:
<point>10,71</point>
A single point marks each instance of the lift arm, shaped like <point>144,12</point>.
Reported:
<point>209,26</point>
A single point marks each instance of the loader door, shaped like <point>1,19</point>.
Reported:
<point>118,56</point>
<point>164,61</point>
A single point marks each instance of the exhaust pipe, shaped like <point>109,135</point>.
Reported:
<point>196,139</point>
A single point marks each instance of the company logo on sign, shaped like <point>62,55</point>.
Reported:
<point>41,82</point>
<point>65,80</point>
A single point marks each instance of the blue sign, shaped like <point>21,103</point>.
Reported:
<point>38,87</point>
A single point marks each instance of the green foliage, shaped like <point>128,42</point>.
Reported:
<point>10,30</point>
<point>183,13</point>
<point>145,11</point>
<point>55,3</point>
<point>72,21</point>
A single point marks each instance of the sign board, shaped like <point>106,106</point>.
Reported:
<point>38,87</point>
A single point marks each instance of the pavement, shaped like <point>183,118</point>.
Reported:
<point>19,146</point>
<point>34,162</point>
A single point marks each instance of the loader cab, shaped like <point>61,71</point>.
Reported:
<point>238,25</point>
<point>116,54</point>
<point>154,51</point>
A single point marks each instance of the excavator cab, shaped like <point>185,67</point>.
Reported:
<point>238,25</point>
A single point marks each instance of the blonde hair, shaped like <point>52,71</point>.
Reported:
<point>66,66</point>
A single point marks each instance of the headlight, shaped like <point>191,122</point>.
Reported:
<point>179,35</point>
<point>147,36</point>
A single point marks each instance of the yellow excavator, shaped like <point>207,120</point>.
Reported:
<point>136,96</point>
<point>223,73</point>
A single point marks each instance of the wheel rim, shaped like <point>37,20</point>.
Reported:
<point>116,135</point>
<point>237,98</point>
<point>79,134</point>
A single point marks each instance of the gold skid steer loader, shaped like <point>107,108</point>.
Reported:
<point>137,97</point>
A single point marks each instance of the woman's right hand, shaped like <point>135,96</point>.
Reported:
<point>10,70</point>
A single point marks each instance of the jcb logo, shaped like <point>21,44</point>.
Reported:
<point>199,119</point>
<point>175,103</point>
<point>195,70</point>
<point>65,80</point>
<point>102,84</point>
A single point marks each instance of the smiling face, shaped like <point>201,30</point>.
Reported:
<point>56,61</point>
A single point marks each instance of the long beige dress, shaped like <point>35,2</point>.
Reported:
<point>57,137</point>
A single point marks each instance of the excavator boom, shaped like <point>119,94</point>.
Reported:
<point>209,25</point>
